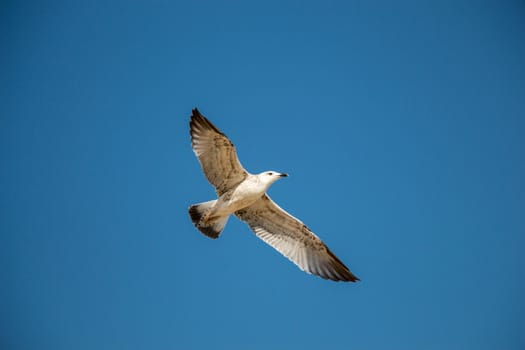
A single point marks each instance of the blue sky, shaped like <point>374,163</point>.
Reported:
<point>401,126</point>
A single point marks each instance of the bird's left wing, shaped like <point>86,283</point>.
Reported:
<point>216,154</point>
<point>294,240</point>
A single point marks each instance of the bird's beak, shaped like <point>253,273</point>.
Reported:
<point>283,175</point>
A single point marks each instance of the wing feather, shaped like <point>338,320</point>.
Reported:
<point>294,240</point>
<point>216,154</point>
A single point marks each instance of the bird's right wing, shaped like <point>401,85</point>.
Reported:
<point>216,154</point>
<point>294,240</point>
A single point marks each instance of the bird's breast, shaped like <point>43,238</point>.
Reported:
<point>243,195</point>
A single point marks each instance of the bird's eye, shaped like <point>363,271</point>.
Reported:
<point>270,173</point>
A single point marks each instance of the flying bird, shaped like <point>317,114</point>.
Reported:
<point>244,195</point>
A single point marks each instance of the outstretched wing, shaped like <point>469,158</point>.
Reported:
<point>216,154</point>
<point>294,240</point>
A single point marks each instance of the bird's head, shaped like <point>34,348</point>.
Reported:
<point>269,177</point>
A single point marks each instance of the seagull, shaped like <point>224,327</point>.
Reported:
<point>244,195</point>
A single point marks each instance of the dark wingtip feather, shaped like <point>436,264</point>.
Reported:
<point>344,272</point>
<point>351,278</point>
<point>195,112</point>
<point>198,120</point>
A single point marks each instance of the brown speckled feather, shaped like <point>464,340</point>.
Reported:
<point>294,240</point>
<point>216,154</point>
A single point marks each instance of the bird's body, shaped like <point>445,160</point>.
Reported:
<point>244,195</point>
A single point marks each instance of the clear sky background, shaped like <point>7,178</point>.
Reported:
<point>401,125</point>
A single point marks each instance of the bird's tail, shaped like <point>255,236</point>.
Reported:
<point>211,228</point>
